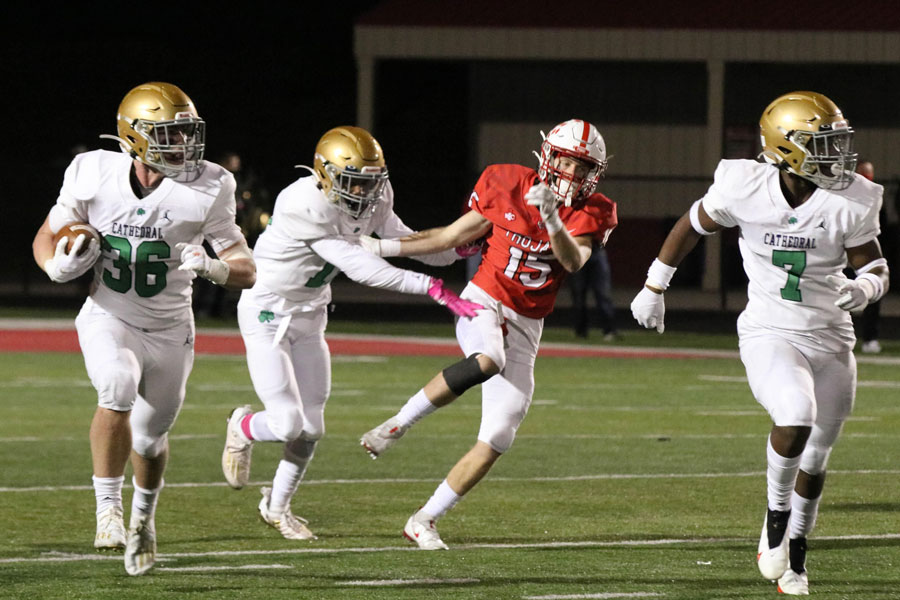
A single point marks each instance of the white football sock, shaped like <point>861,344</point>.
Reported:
<point>287,479</point>
<point>144,501</point>
<point>443,499</point>
<point>781,475</point>
<point>803,515</point>
<point>415,408</point>
<point>108,491</point>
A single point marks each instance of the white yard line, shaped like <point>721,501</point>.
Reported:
<point>207,568</point>
<point>595,477</point>
<point>397,582</point>
<point>602,595</point>
<point>56,557</point>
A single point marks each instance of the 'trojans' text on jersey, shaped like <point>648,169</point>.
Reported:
<point>526,242</point>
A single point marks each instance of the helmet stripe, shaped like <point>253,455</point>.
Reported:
<point>584,134</point>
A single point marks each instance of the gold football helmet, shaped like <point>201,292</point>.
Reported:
<point>350,167</point>
<point>806,134</point>
<point>159,126</point>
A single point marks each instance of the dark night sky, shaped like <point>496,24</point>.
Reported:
<point>268,82</point>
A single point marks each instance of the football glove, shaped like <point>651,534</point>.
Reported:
<point>471,249</point>
<point>649,309</point>
<point>194,258</point>
<point>67,266</point>
<point>445,297</point>
<point>547,204</point>
<point>855,293</point>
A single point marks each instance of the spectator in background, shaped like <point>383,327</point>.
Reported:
<point>595,277</point>
<point>253,199</point>
<point>868,321</point>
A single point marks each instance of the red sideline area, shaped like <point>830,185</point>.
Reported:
<point>66,340</point>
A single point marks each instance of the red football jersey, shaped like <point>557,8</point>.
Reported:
<point>517,265</point>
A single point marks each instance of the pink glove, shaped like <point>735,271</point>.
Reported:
<point>470,249</point>
<point>448,298</point>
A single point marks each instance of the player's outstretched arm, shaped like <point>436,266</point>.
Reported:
<point>373,271</point>
<point>465,229</point>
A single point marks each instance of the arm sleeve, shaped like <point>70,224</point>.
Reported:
<point>440,259</point>
<point>368,269</point>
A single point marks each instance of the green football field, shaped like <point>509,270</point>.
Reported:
<point>630,478</point>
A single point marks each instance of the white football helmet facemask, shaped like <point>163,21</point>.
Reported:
<point>578,140</point>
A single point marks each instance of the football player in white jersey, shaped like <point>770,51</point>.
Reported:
<point>153,203</point>
<point>313,235</point>
<point>804,215</point>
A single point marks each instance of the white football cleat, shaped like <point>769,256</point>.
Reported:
<point>772,562</point>
<point>110,529</point>
<point>382,437</point>
<point>290,526</point>
<point>793,583</point>
<point>237,453</point>
<point>140,550</point>
<point>421,530</point>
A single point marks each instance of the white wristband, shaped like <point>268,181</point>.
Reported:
<point>877,290</point>
<point>218,271</point>
<point>660,274</point>
<point>554,224</point>
<point>389,247</point>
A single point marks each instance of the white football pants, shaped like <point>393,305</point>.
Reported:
<point>799,386</point>
<point>290,367</point>
<point>511,341</point>
<point>137,370</point>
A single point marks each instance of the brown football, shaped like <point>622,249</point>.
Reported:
<point>72,231</point>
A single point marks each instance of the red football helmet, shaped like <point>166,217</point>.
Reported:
<point>578,140</point>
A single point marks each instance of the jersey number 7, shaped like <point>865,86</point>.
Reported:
<point>796,259</point>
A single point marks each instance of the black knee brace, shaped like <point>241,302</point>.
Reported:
<point>464,374</point>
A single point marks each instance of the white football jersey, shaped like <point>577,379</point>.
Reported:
<point>292,276</point>
<point>137,277</point>
<point>788,252</point>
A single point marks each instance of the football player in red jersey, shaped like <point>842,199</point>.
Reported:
<point>537,227</point>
